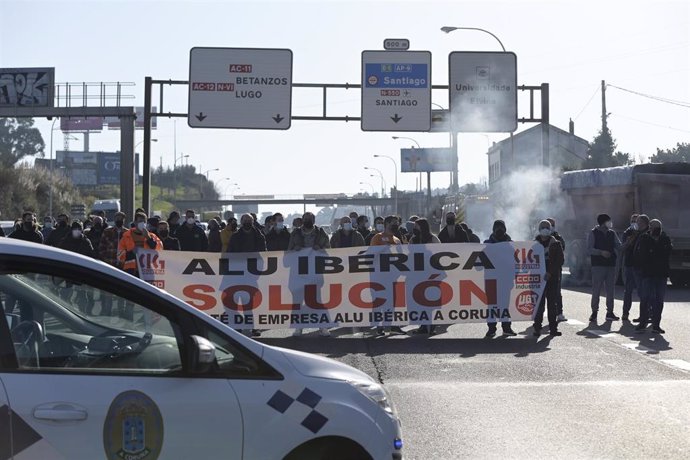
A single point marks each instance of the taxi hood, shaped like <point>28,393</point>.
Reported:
<point>316,366</point>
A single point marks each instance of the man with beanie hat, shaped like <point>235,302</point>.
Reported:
<point>77,242</point>
<point>499,235</point>
<point>553,255</point>
<point>602,245</point>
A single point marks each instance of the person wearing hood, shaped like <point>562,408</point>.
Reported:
<point>453,232</point>
<point>346,236</point>
<point>60,231</point>
<point>654,252</point>
<point>169,243</point>
<point>77,241</point>
<point>27,230</point>
<point>553,255</point>
<point>278,239</point>
<point>173,223</point>
<point>226,234</point>
<point>499,235</point>
<point>470,234</point>
<point>191,235</point>
<point>95,233</point>
<point>603,245</point>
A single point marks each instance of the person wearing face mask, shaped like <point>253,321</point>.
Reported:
<point>452,232</point>
<point>214,242</point>
<point>169,243</point>
<point>27,230</point>
<point>346,236</point>
<point>47,228</point>
<point>309,236</point>
<point>559,296</point>
<point>137,237</point>
<point>553,256</point>
<point>388,238</point>
<point>226,234</point>
<point>278,239</point>
<point>363,226</point>
<point>638,262</point>
<point>378,228</point>
<point>499,235</point>
<point>603,245</point>
<point>110,240</point>
<point>629,239</point>
<point>60,231</point>
<point>421,234</point>
<point>296,223</point>
<point>77,241</point>
<point>248,238</point>
<point>191,235</point>
<point>654,252</point>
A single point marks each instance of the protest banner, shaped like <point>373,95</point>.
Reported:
<point>382,285</point>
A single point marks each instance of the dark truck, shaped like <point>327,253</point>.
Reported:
<point>660,190</point>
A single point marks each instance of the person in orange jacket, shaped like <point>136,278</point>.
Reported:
<point>136,237</point>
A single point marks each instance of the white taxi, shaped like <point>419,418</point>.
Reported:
<point>95,363</point>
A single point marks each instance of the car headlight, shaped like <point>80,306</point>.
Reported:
<point>376,393</point>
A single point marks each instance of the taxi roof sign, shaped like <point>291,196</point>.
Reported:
<point>243,88</point>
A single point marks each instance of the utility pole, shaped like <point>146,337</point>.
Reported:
<point>604,126</point>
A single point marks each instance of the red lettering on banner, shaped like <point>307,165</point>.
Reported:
<point>335,294</point>
<point>275,301</point>
<point>355,295</point>
<point>228,297</point>
<point>399,295</point>
<point>203,86</point>
<point>487,296</point>
<point>225,87</point>
<point>419,293</point>
<point>195,292</point>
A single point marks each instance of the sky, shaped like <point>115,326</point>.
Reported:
<point>640,46</point>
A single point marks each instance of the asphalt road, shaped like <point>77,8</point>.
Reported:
<point>599,391</point>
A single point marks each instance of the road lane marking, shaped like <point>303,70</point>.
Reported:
<point>679,363</point>
<point>575,322</point>
<point>638,347</point>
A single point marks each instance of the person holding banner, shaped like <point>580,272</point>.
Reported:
<point>378,228</point>
<point>309,236</point>
<point>387,238</point>
<point>553,253</point>
<point>452,232</point>
<point>136,237</point>
<point>346,236</point>
<point>499,235</point>
<point>422,235</point>
<point>278,238</point>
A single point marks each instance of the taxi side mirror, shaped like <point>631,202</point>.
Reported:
<point>203,354</point>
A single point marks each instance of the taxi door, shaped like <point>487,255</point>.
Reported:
<point>95,367</point>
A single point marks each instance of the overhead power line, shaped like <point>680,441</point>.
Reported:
<point>596,91</point>
<point>656,98</point>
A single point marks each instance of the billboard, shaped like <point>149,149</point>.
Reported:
<point>114,122</point>
<point>81,124</point>
<point>426,160</point>
<point>27,87</point>
<point>92,168</point>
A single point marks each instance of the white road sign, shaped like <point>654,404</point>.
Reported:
<point>396,90</point>
<point>246,88</point>
<point>483,91</point>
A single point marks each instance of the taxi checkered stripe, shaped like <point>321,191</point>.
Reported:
<point>314,421</point>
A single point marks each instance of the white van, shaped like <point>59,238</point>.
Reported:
<point>110,207</point>
<point>95,363</point>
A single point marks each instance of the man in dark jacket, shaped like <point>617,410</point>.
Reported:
<point>191,235</point>
<point>214,243</point>
<point>363,226</point>
<point>77,242</point>
<point>60,231</point>
<point>629,241</point>
<point>169,243</point>
<point>27,231</point>
<point>95,233</point>
<point>559,297</point>
<point>654,254</point>
<point>346,236</point>
<point>499,235</point>
<point>470,234</point>
<point>603,244</point>
<point>452,232</point>
<point>173,222</point>
<point>553,254</point>
<point>248,238</point>
<point>278,239</point>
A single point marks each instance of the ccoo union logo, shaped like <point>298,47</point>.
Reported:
<point>526,302</point>
<point>151,264</point>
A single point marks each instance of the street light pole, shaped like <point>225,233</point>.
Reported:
<point>383,181</point>
<point>449,29</point>
<point>373,192</point>
<point>395,167</point>
<point>50,190</point>
<point>419,147</point>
